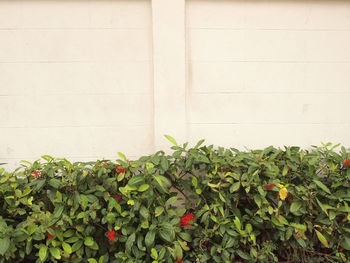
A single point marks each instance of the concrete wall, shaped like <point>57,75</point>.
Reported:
<point>84,79</point>
<point>75,79</point>
<point>269,72</point>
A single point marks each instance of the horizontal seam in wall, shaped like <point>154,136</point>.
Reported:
<point>268,123</point>
<point>72,28</point>
<point>77,126</point>
<point>77,61</point>
<point>72,94</point>
<point>266,61</point>
<point>270,29</point>
<point>271,92</point>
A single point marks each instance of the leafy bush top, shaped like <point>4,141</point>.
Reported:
<point>200,204</point>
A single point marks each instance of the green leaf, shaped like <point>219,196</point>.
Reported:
<point>171,139</point>
<point>164,163</point>
<point>285,170</point>
<point>222,197</point>
<point>322,206</point>
<point>136,180</point>
<point>84,201</point>
<point>58,211</point>
<point>69,233</point>
<point>89,241</point>
<point>4,245</point>
<point>59,197</point>
<point>298,226</point>
<point>257,199</point>
<point>194,181</point>
<point>122,156</point>
<point>92,260</point>
<point>261,191</point>
<point>144,212</point>
<point>301,242</point>
<point>129,242</point>
<point>171,201</point>
<point>143,188</point>
<point>345,243</point>
<point>322,238</point>
<point>235,187</point>
<point>67,248</point>
<point>243,254</point>
<point>282,220</point>
<point>72,239</point>
<point>178,251</point>
<point>42,252</point>
<point>39,184</point>
<point>120,177</point>
<point>159,181</point>
<point>111,217</point>
<point>154,253</point>
<point>159,210</point>
<point>55,183</point>
<point>55,252</point>
<point>249,228</point>
<point>166,235</point>
<point>199,143</point>
<point>185,236</point>
<point>29,247</point>
<point>322,186</point>
<point>77,245</point>
<point>237,223</point>
<point>295,206</point>
<point>149,239</point>
<point>289,233</point>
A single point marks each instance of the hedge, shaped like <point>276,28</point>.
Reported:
<point>199,204</point>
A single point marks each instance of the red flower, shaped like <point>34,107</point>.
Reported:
<point>111,235</point>
<point>118,198</point>
<point>49,236</point>
<point>36,174</point>
<point>346,162</point>
<point>185,218</point>
<point>179,260</point>
<point>269,186</point>
<point>120,170</point>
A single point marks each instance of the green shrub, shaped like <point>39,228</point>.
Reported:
<point>202,204</point>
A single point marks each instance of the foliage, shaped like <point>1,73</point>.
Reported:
<point>200,204</point>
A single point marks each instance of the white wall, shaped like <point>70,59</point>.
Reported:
<point>84,79</point>
<point>272,72</point>
<point>75,79</point>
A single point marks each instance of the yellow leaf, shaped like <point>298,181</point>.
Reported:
<point>280,185</point>
<point>322,238</point>
<point>283,193</point>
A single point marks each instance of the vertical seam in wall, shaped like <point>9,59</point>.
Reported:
<point>187,72</point>
<point>152,81</point>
